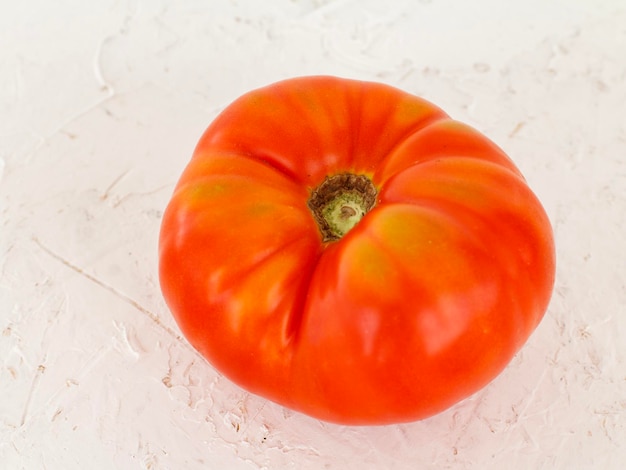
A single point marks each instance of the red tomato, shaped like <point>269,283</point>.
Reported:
<point>347,250</point>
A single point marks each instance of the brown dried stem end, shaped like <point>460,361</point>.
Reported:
<point>340,202</point>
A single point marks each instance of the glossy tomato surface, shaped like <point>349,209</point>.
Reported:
<point>420,304</point>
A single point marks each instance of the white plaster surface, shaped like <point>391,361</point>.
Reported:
<point>101,105</point>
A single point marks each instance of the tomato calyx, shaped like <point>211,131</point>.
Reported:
<point>340,202</point>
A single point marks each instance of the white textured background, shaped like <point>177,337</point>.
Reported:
<point>101,105</point>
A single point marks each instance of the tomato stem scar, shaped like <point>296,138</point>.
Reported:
<point>340,202</point>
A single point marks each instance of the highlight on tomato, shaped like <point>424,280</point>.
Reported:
<point>349,251</point>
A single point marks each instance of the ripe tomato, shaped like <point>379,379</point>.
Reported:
<point>347,250</point>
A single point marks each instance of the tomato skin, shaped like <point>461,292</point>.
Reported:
<point>418,306</point>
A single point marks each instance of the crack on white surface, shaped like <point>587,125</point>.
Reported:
<point>153,317</point>
<point>107,191</point>
<point>518,127</point>
<point>123,199</point>
<point>33,386</point>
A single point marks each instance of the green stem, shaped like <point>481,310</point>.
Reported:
<point>340,202</point>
